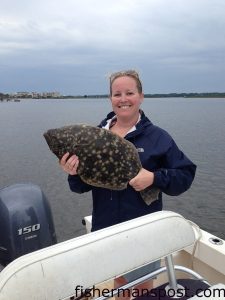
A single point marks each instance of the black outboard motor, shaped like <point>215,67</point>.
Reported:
<point>26,222</point>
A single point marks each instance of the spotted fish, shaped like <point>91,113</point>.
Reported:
<point>105,159</point>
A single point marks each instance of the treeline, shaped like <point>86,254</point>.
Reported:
<point>169,95</point>
<point>186,95</point>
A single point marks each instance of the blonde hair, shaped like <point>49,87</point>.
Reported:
<point>129,73</point>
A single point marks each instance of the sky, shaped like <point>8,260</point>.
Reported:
<point>73,46</point>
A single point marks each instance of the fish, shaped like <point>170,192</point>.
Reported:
<point>105,159</point>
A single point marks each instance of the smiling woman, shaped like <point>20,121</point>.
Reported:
<point>126,97</point>
<point>164,166</point>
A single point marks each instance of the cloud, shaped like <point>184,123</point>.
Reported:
<point>179,37</point>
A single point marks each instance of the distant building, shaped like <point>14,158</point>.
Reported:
<point>35,95</point>
<point>23,95</point>
<point>51,95</point>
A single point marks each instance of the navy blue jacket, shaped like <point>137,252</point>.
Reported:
<point>173,175</point>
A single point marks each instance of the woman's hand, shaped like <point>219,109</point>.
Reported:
<point>142,180</point>
<point>70,165</point>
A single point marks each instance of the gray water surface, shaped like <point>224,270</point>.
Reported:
<point>197,125</point>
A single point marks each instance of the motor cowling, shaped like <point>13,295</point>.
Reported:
<point>26,222</point>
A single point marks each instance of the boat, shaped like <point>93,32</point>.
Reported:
<point>192,261</point>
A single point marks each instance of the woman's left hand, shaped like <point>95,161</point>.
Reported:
<point>142,180</point>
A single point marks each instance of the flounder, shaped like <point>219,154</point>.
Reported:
<point>105,159</point>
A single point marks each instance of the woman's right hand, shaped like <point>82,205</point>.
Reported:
<point>69,165</point>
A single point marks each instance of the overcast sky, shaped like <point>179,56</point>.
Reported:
<point>72,46</point>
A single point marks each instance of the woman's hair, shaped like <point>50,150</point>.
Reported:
<point>130,73</point>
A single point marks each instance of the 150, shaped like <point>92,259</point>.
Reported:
<point>29,229</point>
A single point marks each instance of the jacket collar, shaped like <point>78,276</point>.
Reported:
<point>139,126</point>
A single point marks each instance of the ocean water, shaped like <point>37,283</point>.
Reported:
<point>197,125</point>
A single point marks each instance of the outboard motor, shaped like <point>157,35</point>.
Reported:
<point>26,222</point>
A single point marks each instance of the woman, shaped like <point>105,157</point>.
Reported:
<point>163,165</point>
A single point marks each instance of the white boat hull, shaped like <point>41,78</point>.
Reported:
<point>55,272</point>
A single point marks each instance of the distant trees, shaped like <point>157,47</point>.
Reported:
<point>187,95</point>
<point>161,95</point>
<point>3,96</point>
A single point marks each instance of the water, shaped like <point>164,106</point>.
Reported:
<point>197,125</point>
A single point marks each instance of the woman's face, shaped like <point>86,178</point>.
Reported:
<point>126,99</point>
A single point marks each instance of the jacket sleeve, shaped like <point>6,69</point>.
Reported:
<point>77,185</point>
<point>177,171</point>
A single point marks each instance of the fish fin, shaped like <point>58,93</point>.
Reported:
<point>149,195</point>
